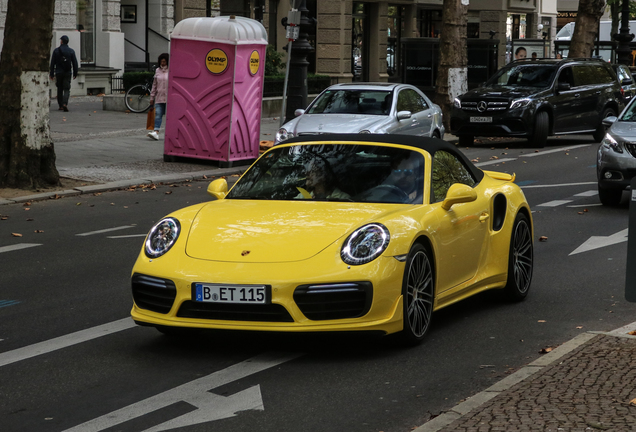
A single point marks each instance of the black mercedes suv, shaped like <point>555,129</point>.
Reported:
<point>534,99</point>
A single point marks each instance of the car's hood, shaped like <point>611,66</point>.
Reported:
<point>249,231</point>
<point>499,92</point>
<point>624,129</point>
<point>336,123</point>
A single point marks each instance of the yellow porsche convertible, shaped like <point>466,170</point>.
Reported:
<point>338,233</point>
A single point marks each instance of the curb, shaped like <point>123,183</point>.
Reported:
<point>123,184</point>
<point>525,372</point>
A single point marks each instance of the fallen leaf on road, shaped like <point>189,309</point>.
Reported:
<point>27,209</point>
<point>26,204</point>
<point>545,350</point>
<point>16,235</point>
<point>29,219</point>
<point>79,203</point>
<point>579,327</point>
<point>543,238</point>
<point>633,333</point>
<point>541,321</point>
<point>4,218</point>
<point>168,192</point>
<point>38,231</point>
<point>632,402</point>
<point>97,194</point>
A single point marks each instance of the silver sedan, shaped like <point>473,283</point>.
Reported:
<point>616,158</point>
<point>376,108</point>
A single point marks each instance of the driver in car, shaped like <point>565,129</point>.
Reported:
<point>404,175</point>
<point>321,183</point>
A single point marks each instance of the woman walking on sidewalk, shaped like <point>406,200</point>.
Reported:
<point>159,93</point>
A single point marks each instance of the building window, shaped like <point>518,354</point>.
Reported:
<point>430,23</point>
<point>86,27</point>
<point>394,33</point>
<point>359,42</point>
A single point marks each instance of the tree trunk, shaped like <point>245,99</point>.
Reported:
<point>452,70</point>
<point>27,157</point>
<point>586,28</point>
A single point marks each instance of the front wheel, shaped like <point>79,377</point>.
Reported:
<point>610,197</point>
<point>418,291</point>
<point>541,129</point>
<point>520,259</point>
<point>138,98</point>
<point>599,133</point>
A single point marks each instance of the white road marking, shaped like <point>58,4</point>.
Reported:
<point>127,236</point>
<point>554,203</point>
<point>210,406</point>
<point>105,230</point>
<point>18,247</point>
<point>596,242</point>
<point>588,193</point>
<point>557,150</point>
<point>495,161</point>
<point>585,205</point>
<point>558,185</point>
<point>64,341</point>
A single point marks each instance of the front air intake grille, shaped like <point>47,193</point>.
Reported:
<point>484,106</point>
<point>234,312</point>
<point>334,301</point>
<point>152,293</point>
<point>630,147</point>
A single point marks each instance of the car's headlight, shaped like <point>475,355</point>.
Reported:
<point>365,244</point>
<point>519,103</point>
<point>283,135</point>
<point>610,142</point>
<point>162,237</point>
<point>457,103</point>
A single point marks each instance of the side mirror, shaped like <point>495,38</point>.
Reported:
<point>608,121</point>
<point>458,193</point>
<point>403,115</point>
<point>218,188</point>
<point>299,112</point>
<point>562,86</point>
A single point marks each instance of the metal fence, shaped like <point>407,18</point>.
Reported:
<point>117,84</point>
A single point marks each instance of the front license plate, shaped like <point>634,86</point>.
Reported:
<point>481,119</point>
<point>220,293</point>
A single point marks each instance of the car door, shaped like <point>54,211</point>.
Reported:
<point>462,230</point>
<point>590,80</point>
<point>566,101</point>
<point>408,100</point>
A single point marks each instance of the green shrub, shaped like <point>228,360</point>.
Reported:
<point>273,61</point>
<point>132,78</point>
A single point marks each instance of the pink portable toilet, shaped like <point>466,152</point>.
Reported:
<point>215,89</point>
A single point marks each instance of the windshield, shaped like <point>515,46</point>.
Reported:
<point>524,74</point>
<point>630,113</point>
<point>373,102</point>
<point>337,172</point>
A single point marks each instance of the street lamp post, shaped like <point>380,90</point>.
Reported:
<point>624,53</point>
<point>297,86</point>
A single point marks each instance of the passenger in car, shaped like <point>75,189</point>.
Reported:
<point>321,183</point>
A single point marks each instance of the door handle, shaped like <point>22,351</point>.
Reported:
<point>484,217</point>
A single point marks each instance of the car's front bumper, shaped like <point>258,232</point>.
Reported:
<point>378,308</point>
<point>615,170</point>
<point>508,123</point>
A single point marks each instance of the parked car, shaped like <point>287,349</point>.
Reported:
<point>616,157</point>
<point>628,86</point>
<point>376,108</point>
<point>537,99</point>
<point>338,233</point>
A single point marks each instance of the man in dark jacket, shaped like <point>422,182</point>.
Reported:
<point>63,66</point>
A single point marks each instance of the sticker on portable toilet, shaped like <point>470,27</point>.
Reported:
<point>216,61</point>
<point>255,62</point>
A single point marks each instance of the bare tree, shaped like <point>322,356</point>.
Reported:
<point>27,157</point>
<point>452,69</point>
<point>586,27</point>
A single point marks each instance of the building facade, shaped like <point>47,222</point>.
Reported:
<point>351,40</point>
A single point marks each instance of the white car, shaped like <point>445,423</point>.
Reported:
<point>375,108</point>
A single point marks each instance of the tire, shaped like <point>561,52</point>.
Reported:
<point>610,197</point>
<point>541,129</point>
<point>418,288</point>
<point>137,98</point>
<point>520,259</point>
<point>599,133</point>
<point>466,140</point>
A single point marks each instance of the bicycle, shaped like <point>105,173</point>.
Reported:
<point>138,97</point>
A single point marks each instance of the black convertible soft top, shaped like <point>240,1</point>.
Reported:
<point>430,145</point>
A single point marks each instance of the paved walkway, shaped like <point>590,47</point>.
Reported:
<point>586,384</point>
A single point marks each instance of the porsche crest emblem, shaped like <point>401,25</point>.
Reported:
<point>245,252</point>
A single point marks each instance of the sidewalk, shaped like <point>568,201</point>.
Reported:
<point>586,384</point>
